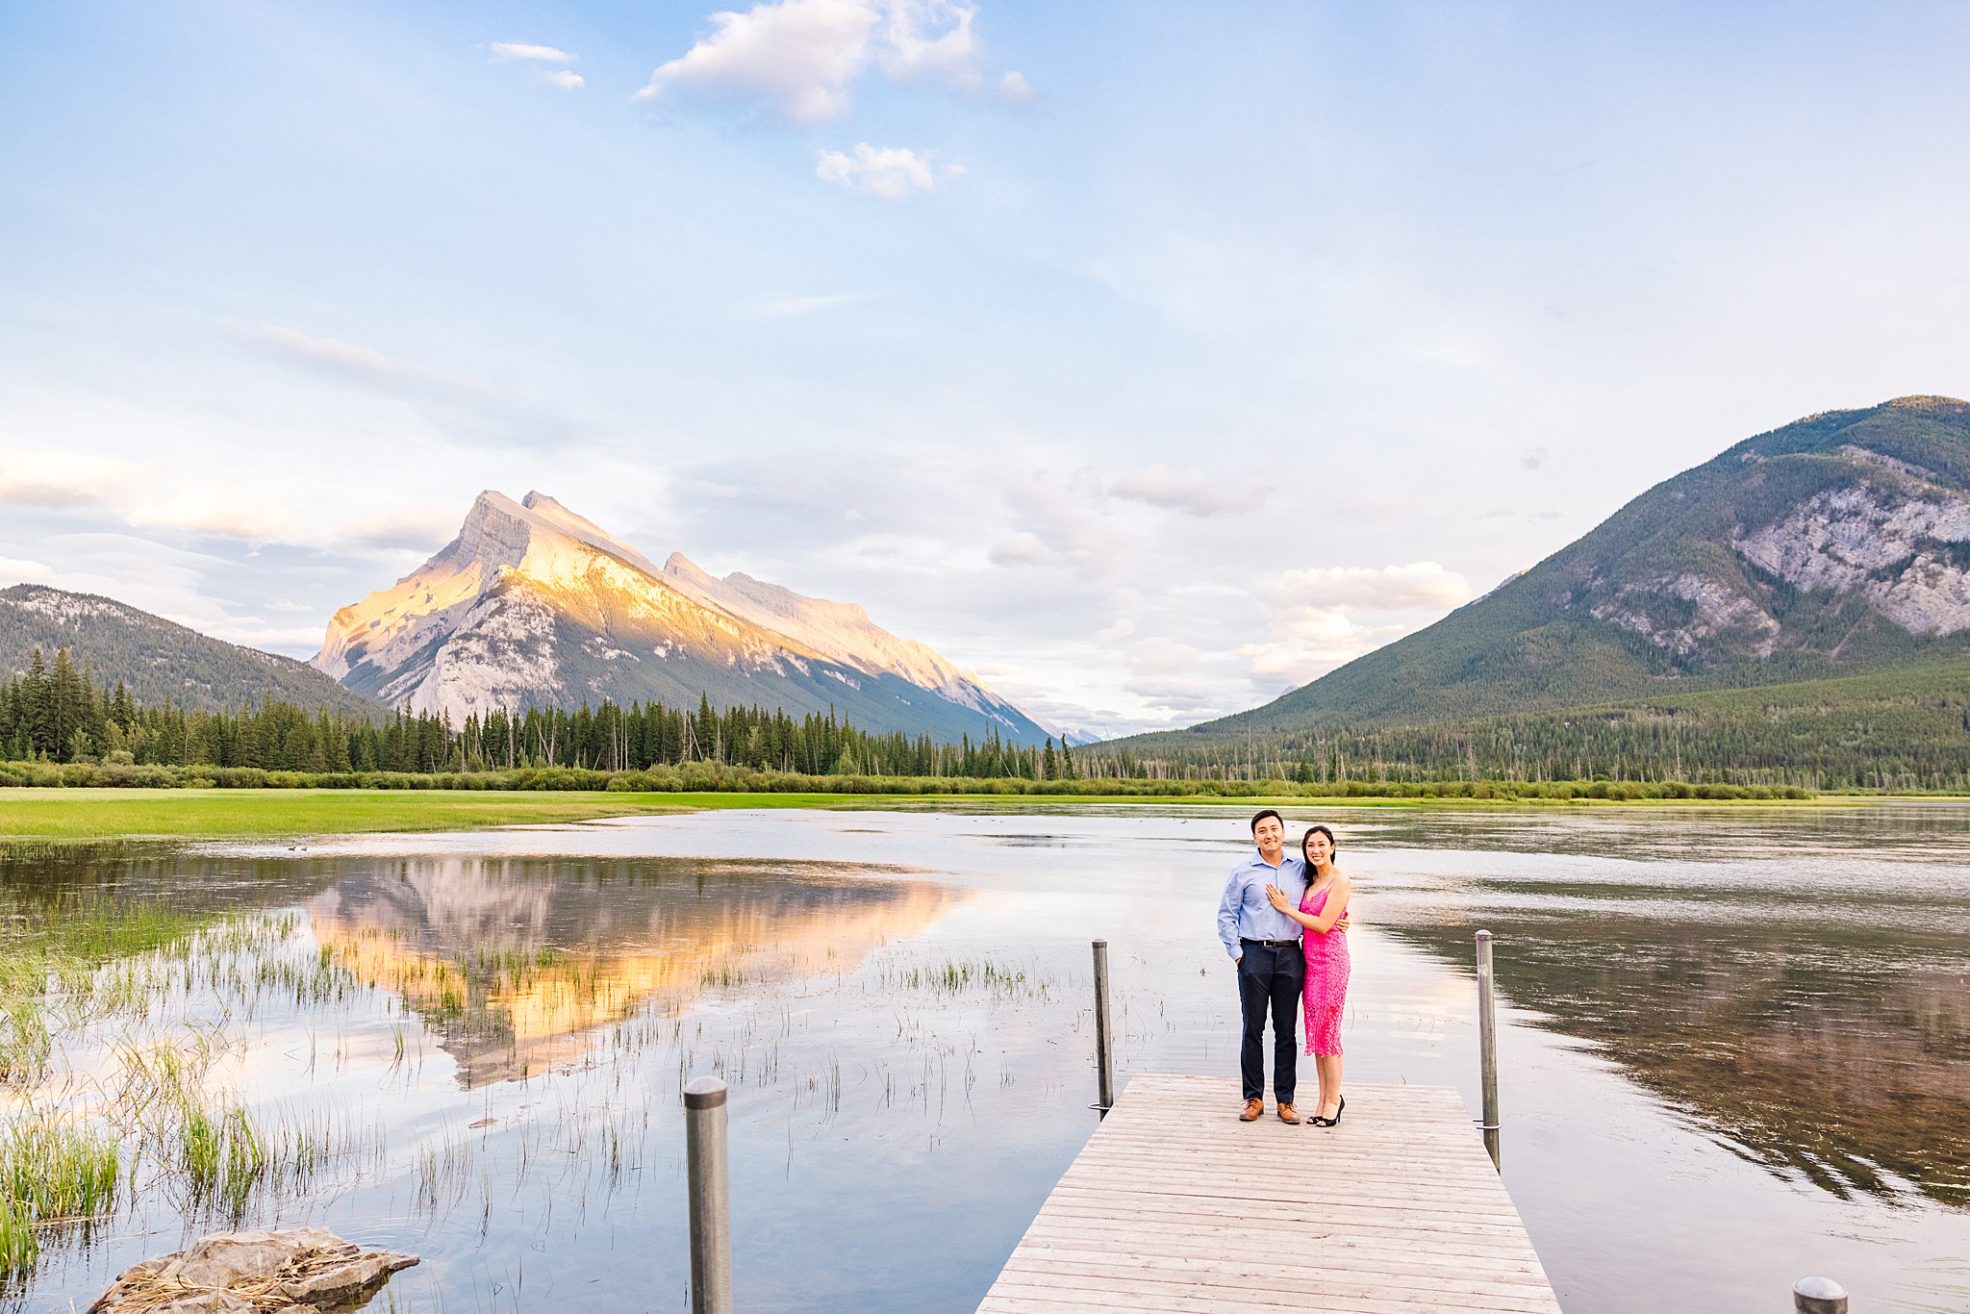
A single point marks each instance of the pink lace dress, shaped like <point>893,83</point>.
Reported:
<point>1326,979</point>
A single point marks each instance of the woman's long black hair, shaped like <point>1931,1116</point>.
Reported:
<point>1307,862</point>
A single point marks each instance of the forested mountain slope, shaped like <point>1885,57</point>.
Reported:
<point>159,662</point>
<point>1836,545</point>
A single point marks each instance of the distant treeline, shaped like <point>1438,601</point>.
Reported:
<point>714,777</point>
<point>1906,730</point>
<point>60,714</point>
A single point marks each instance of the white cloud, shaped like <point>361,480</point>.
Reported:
<point>799,54</point>
<point>1306,642</point>
<point>931,40</point>
<point>1314,627</point>
<point>519,50</point>
<point>1014,89</point>
<point>423,527</point>
<point>1160,656</point>
<point>1119,628</point>
<point>1020,549</point>
<point>1370,588</point>
<point>136,493</point>
<point>58,480</point>
<point>567,80</point>
<point>1053,524</point>
<point>805,56</point>
<point>1191,491</point>
<point>15,570</point>
<point>252,631</point>
<point>891,172</point>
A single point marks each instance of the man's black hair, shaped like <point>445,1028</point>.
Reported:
<point>1259,816</point>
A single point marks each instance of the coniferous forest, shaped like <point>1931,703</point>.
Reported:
<point>1908,733</point>
<point>56,712</point>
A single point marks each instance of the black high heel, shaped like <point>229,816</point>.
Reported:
<point>1339,1109</point>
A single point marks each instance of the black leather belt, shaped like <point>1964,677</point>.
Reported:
<point>1274,944</point>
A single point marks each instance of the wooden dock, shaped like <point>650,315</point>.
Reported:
<point>1175,1205</point>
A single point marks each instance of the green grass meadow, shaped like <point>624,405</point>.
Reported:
<point>91,814</point>
<point>85,814</point>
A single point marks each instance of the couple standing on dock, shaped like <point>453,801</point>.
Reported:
<point>1284,921</point>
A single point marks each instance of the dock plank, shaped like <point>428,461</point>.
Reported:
<point>1176,1206</point>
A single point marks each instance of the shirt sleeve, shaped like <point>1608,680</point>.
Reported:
<point>1234,895</point>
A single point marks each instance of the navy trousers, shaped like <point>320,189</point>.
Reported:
<point>1274,977</point>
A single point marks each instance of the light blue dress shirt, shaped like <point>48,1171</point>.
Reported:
<point>1245,912</point>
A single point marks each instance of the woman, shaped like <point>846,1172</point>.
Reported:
<point>1323,911</point>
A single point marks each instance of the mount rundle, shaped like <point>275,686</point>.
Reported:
<point>532,605</point>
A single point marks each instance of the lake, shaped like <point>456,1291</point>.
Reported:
<point>1735,1044</point>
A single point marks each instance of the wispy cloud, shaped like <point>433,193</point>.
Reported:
<point>17,570</point>
<point>452,401</point>
<point>1191,491</point>
<point>1053,524</point>
<point>891,172</point>
<point>793,307</point>
<point>803,57</point>
<point>135,493</point>
<point>1315,627</point>
<point>509,51</point>
<point>1374,588</point>
<point>566,79</point>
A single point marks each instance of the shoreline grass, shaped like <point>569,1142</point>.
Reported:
<point>82,815</point>
<point>89,814</point>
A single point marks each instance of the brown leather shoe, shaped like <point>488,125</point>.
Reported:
<point>1252,1110</point>
<point>1286,1114</point>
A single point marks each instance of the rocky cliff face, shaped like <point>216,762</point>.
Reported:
<point>1901,548</point>
<point>1857,529</point>
<point>533,605</point>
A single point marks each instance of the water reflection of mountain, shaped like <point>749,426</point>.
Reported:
<point>1840,1055</point>
<point>518,965</point>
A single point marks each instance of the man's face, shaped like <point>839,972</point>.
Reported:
<point>1269,835</point>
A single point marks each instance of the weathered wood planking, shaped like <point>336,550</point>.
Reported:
<point>1175,1205</point>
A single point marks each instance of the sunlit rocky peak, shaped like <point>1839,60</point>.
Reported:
<point>535,605</point>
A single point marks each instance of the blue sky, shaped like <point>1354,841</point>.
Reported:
<point>1147,359</point>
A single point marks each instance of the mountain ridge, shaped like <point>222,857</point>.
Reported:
<point>532,604</point>
<point>1836,544</point>
<point>159,661</point>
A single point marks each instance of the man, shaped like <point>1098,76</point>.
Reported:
<point>1264,943</point>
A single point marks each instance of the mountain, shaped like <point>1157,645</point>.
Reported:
<point>840,632</point>
<point>1837,545</point>
<point>158,661</point>
<point>533,605</point>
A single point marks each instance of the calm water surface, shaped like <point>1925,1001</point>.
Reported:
<point>1737,1043</point>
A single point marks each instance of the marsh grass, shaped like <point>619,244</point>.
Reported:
<point>957,976</point>
<point>50,952</point>
<point>52,1175</point>
<point>136,1063</point>
<point>146,1001</point>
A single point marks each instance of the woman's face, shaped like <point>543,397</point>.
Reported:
<point>1318,849</point>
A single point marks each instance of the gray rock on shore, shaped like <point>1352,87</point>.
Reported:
<point>304,1271</point>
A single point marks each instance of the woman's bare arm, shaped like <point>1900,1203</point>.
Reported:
<point>1335,909</point>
